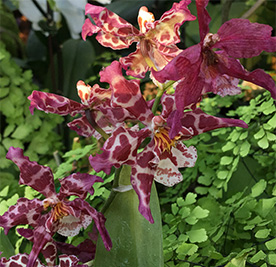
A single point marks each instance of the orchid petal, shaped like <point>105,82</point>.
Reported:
<point>78,184</point>
<point>113,31</point>
<point>201,122</point>
<point>83,128</point>
<point>126,93</point>
<point>120,148</point>
<point>97,217</point>
<point>50,253</point>
<point>142,176</point>
<point>240,38</point>
<point>167,173</point>
<point>25,211</point>
<point>19,260</point>
<point>68,261</point>
<point>39,177</point>
<point>40,239</point>
<point>85,251</point>
<point>52,103</point>
<point>235,69</point>
<point>203,18</point>
<point>166,30</point>
<point>135,64</point>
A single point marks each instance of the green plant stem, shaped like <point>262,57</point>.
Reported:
<point>159,95</point>
<point>112,193</point>
<point>95,125</point>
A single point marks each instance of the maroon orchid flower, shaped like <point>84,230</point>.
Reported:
<point>163,156</point>
<point>213,65</point>
<point>95,109</point>
<point>55,213</point>
<point>21,260</point>
<point>156,39</point>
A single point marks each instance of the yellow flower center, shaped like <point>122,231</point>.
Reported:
<point>163,141</point>
<point>59,211</point>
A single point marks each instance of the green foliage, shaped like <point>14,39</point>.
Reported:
<point>227,217</point>
<point>19,127</point>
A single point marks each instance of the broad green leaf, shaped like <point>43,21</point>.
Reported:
<point>258,188</point>
<point>245,148</point>
<point>136,242</point>
<point>5,245</point>
<point>205,180</point>
<point>263,233</point>
<point>78,56</point>
<point>272,259</point>
<point>270,136</point>
<point>222,174</point>
<point>265,206</point>
<point>263,143</point>
<point>271,244</point>
<point>258,256</point>
<point>190,198</point>
<point>199,212</point>
<point>259,134</point>
<point>199,235</point>
<point>243,135</point>
<point>272,121</point>
<point>225,160</point>
<point>22,131</point>
<point>187,249</point>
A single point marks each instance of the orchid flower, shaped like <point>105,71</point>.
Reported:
<point>62,216</point>
<point>213,65</point>
<point>156,39</point>
<point>163,156</point>
<point>21,260</point>
<point>95,109</point>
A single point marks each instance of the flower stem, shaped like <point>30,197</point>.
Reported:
<point>160,92</point>
<point>95,125</point>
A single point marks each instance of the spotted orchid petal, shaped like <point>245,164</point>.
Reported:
<point>112,31</point>
<point>135,64</point>
<point>52,103</point>
<point>201,122</point>
<point>69,261</point>
<point>126,93</point>
<point>39,177</point>
<point>19,260</point>
<point>240,38</point>
<point>145,19</point>
<point>25,211</point>
<point>78,184</point>
<point>166,30</point>
<point>142,175</point>
<point>98,218</point>
<point>167,172</point>
<point>83,128</point>
<point>120,148</point>
<point>85,251</point>
<point>40,239</point>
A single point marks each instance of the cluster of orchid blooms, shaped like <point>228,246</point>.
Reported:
<point>210,66</point>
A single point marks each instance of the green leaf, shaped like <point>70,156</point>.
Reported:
<point>263,233</point>
<point>259,134</point>
<point>78,56</point>
<point>222,174</point>
<point>199,212</point>
<point>272,259</point>
<point>245,148</point>
<point>258,188</point>
<point>272,121</point>
<point>265,206</point>
<point>263,143</point>
<point>190,199</point>
<point>5,245</point>
<point>22,131</point>
<point>228,146</point>
<point>271,244</point>
<point>187,249</point>
<point>8,130</point>
<point>258,256</point>
<point>132,235</point>
<point>270,136</point>
<point>225,160</point>
<point>199,235</point>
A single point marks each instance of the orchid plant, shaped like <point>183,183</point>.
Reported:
<point>147,136</point>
